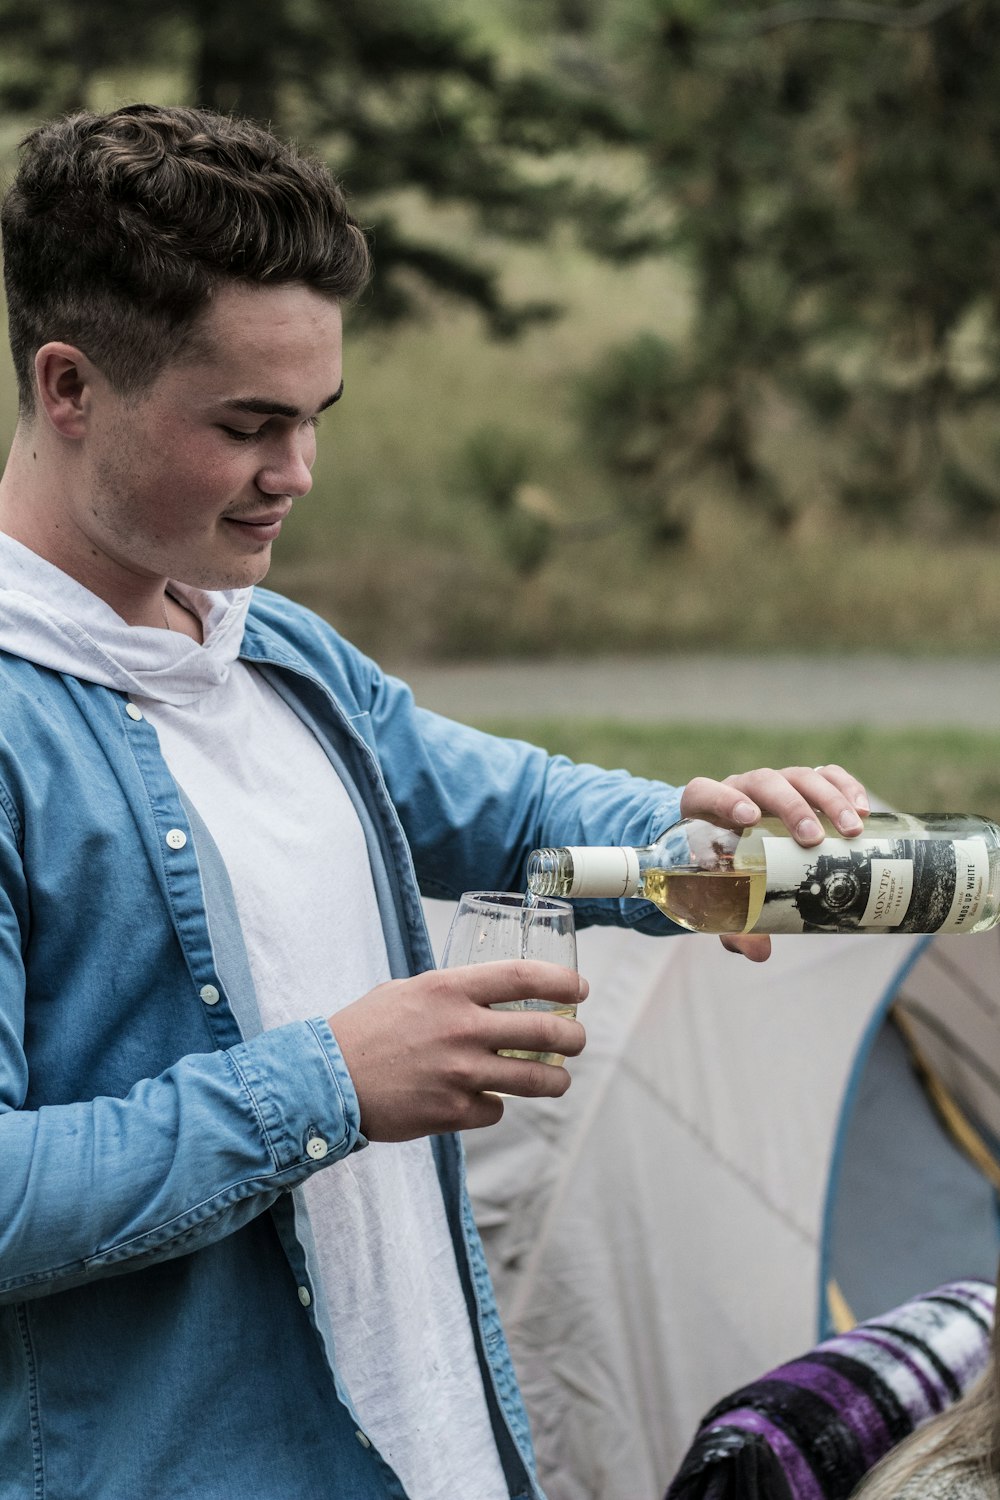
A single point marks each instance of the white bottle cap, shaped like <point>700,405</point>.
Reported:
<point>604,872</point>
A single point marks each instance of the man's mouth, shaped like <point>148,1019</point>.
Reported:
<point>264,525</point>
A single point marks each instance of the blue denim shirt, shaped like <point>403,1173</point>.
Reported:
<point>158,1319</point>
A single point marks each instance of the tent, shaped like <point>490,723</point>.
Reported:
<point>746,1160</point>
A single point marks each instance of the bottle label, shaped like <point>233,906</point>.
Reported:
<point>872,885</point>
<point>603,872</point>
<point>890,893</point>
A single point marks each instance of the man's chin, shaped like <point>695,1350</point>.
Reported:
<point>225,578</point>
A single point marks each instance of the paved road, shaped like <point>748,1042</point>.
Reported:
<point>788,690</point>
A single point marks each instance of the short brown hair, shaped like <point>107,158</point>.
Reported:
<point>117,227</point>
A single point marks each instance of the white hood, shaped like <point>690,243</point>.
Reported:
<point>49,618</point>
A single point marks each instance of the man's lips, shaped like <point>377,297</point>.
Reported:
<point>264,526</point>
<point>262,518</point>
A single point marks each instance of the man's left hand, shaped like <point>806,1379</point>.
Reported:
<point>795,795</point>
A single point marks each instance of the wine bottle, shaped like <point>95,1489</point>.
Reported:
<point>904,873</point>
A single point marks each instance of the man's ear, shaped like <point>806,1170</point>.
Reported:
<point>65,376</point>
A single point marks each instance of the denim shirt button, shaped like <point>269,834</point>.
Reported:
<point>364,1441</point>
<point>133,712</point>
<point>177,838</point>
<point>317,1147</point>
<point>209,994</point>
<point>305,1296</point>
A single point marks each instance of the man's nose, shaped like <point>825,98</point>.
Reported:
<point>289,474</point>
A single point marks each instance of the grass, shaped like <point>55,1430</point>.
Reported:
<point>919,771</point>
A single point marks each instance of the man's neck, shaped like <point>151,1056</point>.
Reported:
<point>34,474</point>
<point>32,477</point>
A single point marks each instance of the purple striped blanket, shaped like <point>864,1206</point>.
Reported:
<point>812,1428</point>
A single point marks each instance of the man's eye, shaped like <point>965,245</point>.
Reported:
<point>239,436</point>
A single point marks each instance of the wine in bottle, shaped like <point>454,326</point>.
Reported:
<point>904,873</point>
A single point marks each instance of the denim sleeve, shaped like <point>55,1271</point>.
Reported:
<point>108,1184</point>
<point>473,806</point>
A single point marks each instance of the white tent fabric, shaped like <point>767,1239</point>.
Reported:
<point>658,1236</point>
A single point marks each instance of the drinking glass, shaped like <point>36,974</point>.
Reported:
<point>489,926</point>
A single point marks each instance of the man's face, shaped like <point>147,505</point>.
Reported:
<point>192,479</point>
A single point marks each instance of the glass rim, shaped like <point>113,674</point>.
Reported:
<point>514,901</point>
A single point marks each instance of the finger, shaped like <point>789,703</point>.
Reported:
<point>794,796</point>
<point>852,789</point>
<point>756,948</point>
<point>827,795</point>
<point>739,801</point>
<point>518,979</point>
<point>485,1109</point>
<point>534,1031</point>
<point>531,1080</point>
<point>718,802</point>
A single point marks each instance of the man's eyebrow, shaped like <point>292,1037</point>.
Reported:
<point>262,406</point>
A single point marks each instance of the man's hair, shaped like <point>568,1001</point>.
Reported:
<point>118,228</point>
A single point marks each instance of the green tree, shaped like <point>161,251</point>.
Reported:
<point>397,95</point>
<point>831,169</point>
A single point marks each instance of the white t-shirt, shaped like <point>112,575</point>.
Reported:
<point>297,859</point>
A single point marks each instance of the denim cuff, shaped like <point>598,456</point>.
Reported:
<point>302,1093</point>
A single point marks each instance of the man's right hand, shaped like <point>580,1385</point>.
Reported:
<point>422,1052</point>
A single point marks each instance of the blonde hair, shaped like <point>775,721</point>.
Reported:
<point>963,1441</point>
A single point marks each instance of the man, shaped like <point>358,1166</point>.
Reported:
<point>216,819</point>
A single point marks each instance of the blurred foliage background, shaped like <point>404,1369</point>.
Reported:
<point>684,331</point>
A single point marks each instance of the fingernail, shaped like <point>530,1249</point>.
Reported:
<point>861,803</point>
<point>582,989</point>
<point>807,830</point>
<point>849,822</point>
<point>745,812</point>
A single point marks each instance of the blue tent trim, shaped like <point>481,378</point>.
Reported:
<point>824,1323</point>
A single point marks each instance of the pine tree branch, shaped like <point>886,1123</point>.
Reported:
<point>853,11</point>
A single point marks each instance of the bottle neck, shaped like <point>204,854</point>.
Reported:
<point>584,871</point>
